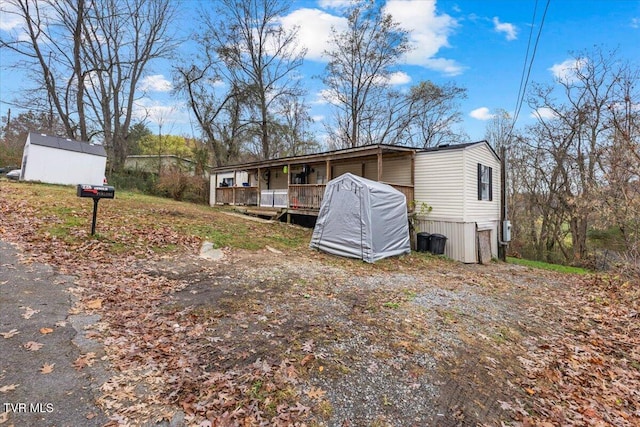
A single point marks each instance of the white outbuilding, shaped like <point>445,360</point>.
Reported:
<point>56,160</point>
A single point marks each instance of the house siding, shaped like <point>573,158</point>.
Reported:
<point>342,168</point>
<point>461,241</point>
<point>480,210</point>
<point>396,171</point>
<point>437,183</point>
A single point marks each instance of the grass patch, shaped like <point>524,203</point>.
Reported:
<point>547,266</point>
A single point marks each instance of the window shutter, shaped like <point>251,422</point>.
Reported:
<point>479,181</point>
<point>490,183</point>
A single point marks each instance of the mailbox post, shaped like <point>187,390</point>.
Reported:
<point>96,192</point>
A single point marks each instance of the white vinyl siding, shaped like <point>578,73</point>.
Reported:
<point>461,241</point>
<point>439,183</point>
<point>397,171</point>
<point>342,168</point>
<point>480,210</point>
<point>277,179</point>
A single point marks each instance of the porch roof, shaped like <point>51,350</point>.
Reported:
<point>346,153</point>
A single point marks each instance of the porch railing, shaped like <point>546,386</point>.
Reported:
<point>299,196</point>
<point>273,198</point>
<point>237,195</point>
<point>306,196</point>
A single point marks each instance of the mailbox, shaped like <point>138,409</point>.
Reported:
<point>96,191</point>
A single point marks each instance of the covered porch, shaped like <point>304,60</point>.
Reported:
<point>297,184</point>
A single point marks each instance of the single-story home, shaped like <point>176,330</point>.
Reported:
<point>461,183</point>
<point>56,160</point>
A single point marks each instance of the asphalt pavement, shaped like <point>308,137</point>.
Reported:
<point>41,382</point>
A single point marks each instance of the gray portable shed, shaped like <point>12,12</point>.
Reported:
<point>360,218</point>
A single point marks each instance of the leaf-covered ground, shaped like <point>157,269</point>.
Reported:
<point>278,334</point>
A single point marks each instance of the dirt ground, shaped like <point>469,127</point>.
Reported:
<point>439,346</point>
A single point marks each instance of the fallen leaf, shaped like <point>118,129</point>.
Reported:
<point>10,334</point>
<point>47,368</point>
<point>29,312</point>
<point>316,393</point>
<point>307,346</point>
<point>94,304</point>
<point>84,360</point>
<point>10,387</point>
<point>4,417</point>
<point>46,331</point>
<point>308,358</point>
<point>33,346</point>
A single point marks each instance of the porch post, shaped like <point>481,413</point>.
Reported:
<point>413,168</point>
<point>288,185</point>
<point>328,171</point>
<point>235,184</point>
<point>379,164</point>
<point>259,186</point>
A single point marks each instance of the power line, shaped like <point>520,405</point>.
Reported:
<point>523,87</point>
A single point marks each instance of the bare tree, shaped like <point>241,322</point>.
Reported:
<point>361,61</point>
<point>89,57</point>
<point>294,128</point>
<point>575,132</point>
<point>434,114</point>
<point>499,130</point>
<point>258,57</point>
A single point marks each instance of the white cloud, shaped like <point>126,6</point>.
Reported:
<point>543,113</point>
<point>158,113</point>
<point>399,78</point>
<point>156,83</point>
<point>429,32</point>
<point>448,67</point>
<point>326,96</point>
<point>317,118</point>
<point>566,71</point>
<point>635,22</point>
<point>335,4</point>
<point>314,29</point>
<point>482,113</point>
<point>8,18</point>
<point>508,29</point>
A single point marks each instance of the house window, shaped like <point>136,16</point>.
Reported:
<point>485,182</point>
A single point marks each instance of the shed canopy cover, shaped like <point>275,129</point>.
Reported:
<point>360,218</point>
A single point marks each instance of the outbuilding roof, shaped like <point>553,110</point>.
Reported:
<point>67,144</point>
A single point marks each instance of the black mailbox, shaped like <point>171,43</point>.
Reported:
<point>96,191</point>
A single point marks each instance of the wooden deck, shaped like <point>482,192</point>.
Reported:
<point>303,199</point>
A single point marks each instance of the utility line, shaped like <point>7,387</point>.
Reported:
<point>523,87</point>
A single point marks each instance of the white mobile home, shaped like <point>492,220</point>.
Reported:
<point>461,183</point>
<point>56,160</point>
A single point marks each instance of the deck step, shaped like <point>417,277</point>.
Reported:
<point>272,214</point>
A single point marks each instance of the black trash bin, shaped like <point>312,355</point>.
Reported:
<point>423,242</point>
<point>436,244</point>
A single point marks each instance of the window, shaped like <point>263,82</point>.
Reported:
<point>485,182</point>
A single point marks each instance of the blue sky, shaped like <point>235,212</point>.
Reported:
<point>477,44</point>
